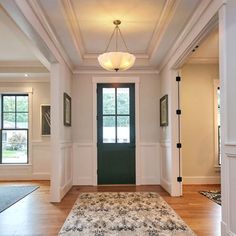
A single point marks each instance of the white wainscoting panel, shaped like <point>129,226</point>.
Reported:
<point>165,165</point>
<point>37,169</point>
<point>229,195</point>
<point>41,152</point>
<point>150,163</point>
<point>83,164</point>
<point>66,167</point>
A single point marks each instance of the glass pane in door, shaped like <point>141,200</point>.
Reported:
<point>123,101</point>
<point>109,129</point>
<point>108,101</point>
<point>123,129</point>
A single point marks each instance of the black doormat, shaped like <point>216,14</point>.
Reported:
<point>9,195</point>
<point>213,195</point>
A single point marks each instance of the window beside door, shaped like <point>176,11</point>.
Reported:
<point>14,129</point>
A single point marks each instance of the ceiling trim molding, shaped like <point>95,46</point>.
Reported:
<point>74,28</point>
<point>22,64</point>
<point>97,71</point>
<point>38,11</point>
<point>21,79</point>
<point>165,19</point>
<point>203,60</point>
<point>189,36</point>
<point>95,56</point>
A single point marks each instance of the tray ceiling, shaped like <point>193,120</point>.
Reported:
<point>150,27</point>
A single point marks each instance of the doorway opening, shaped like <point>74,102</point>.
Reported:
<point>200,119</point>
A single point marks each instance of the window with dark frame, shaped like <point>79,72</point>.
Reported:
<point>14,129</point>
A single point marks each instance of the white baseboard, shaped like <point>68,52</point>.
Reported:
<point>149,180</point>
<point>83,181</point>
<point>166,185</point>
<point>34,176</point>
<point>65,188</point>
<point>201,179</point>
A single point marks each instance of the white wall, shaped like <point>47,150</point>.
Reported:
<point>61,136</point>
<point>39,146</point>
<point>82,92</point>
<point>198,124</point>
<point>227,36</point>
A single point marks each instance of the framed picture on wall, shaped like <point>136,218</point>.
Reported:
<point>67,110</point>
<point>164,111</point>
<point>45,119</point>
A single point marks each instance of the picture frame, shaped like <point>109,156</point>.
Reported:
<point>45,119</point>
<point>67,109</point>
<point>164,111</point>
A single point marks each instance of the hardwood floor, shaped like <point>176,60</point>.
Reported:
<point>35,216</point>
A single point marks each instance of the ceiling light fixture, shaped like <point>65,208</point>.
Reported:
<point>118,60</point>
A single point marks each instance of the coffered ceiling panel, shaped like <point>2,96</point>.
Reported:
<point>139,19</point>
<point>150,27</point>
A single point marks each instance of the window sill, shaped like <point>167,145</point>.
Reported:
<point>15,165</point>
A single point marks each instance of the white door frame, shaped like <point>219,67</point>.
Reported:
<point>136,81</point>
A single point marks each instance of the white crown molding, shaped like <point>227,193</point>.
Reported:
<point>38,11</point>
<point>24,64</point>
<point>201,8</point>
<point>95,56</point>
<point>166,16</point>
<point>74,27</point>
<point>203,60</point>
<point>102,71</point>
<point>210,8</point>
<point>160,29</point>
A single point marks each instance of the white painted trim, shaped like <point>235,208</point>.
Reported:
<point>22,64</point>
<point>38,11</point>
<point>201,180</point>
<point>166,185</point>
<point>13,78</point>
<point>119,73</point>
<point>163,23</point>
<point>120,79</point>
<point>202,21</point>
<point>64,189</point>
<point>15,90</point>
<point>216,84</point>
<point>203,60</point>
<point>74,28</point>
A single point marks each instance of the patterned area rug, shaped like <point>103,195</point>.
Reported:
<point>213,195</point>
<point>123,214</point>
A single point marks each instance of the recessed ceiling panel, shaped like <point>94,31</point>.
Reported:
<point>139,19</point>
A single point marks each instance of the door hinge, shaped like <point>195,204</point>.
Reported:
<point>178,78</point>
<point>178,112</point>
<point>179,145</point>
<point>97,171</point>
<point>179,179</point>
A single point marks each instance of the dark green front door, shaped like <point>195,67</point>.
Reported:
<point>116,133</point>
